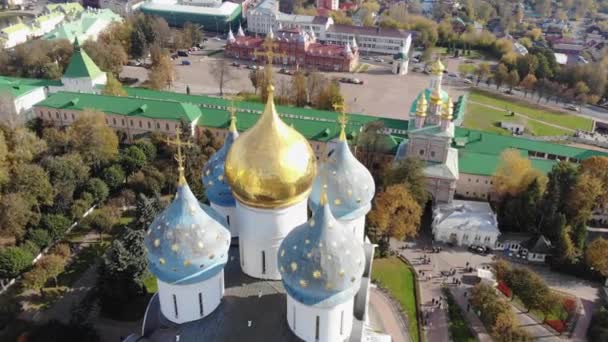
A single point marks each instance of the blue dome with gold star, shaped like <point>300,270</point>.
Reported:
<point>217,189</point>
<point>188,242</point>
<point>350,185</point>
<point>320,263</point>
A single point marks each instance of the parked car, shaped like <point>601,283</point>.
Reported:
<point>235,64</point>
<point>467,81</point>
<point>453,75</point>
<point>252,67</point>
<point>186,62</point>
<point>509,92</point>
<point>182,53</point>
<point>479,249</point>
<point>379,60</point>
<point>417,69</point>
<point>572,107</point>
<point>133,63</point>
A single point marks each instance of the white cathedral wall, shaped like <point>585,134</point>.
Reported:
<point>335,323</point>
<point>263,230</point>
<point>356,226</point>
<point>229,215</point>
<point>193,301</point>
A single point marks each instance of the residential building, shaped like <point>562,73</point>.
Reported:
<point>14,35</point>
<point>46,23</point>
<point>22,95</point>
<point>88,25</point>
<point>266,17</point>
<point>298,48</point>
<point>213,15</point>
<point>69,9</point>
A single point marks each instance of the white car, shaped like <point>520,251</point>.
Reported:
<point>572,107</point>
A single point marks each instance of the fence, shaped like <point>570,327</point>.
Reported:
<point>11,282</point>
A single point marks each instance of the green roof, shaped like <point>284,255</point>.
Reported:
<point>486,164</point>
<point>15,28</point>
<point>128,106</point>
<point>490,143</point>
<point>30,81</point>
<point>43,18</point>
<point>16,88</point>
<point>67,7</point>
<point>314,124</point>
<point>81,65</point>
<point>79,28</point>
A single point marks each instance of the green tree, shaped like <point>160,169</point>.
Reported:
<point>121,271</point>
<point>13,261</point>
<point>596,255</point>
<point>482,72</point>
<point>40,237</point>
<point>98,189</point>
<point>146,210</point>
<point>133,159</point>
<point>193,33</point>
<point>55,224</point>
<point>113,176</point>
<point>54,265</point>
<point>148,148</point>
<point>79,207</point>
<point>24,146</point>
<point>113,87</point>
<point>501,75</point>
<point>67,173</point>
<point>513,79</point>
<point>15,214</point>
<point>409,172</point>
<point>550,303</point>
<point>108,57</point>
<point>99,220</point>
<point>4,169</point>
<point>529,84</point>
<point>298,89</point>
<point>32,181</point>
<point>395,214</point>
<point>36,279</point>
<point>557,199</point>
<point>93,139</point>
<point>329,96</point>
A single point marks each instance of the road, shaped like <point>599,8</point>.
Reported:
<point>383,317</point>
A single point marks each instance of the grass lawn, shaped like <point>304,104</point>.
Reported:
<point>398,278</point>
<point>475,54</point>
<point>488,119</point>
<point>150,283</point>
<point>459,327</point>
<point>536,112</point>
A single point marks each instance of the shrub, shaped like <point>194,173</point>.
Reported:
<point>30,247</point>
<point>63,250</point>
<point>13,261</point>
<point>557,325</point>
<point>40,237</point>
<point>569,305</point>
<point>55,224</point>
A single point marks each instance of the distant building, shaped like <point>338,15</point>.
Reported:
<point>14,35</point>
<point>266,17</point>
<point>23,95</point>
<point>331,5</point>
<point>69,9</point>
<point>46,23</point>
<point>212,15</point>
<point>513,127</point>
<point>87,26</point>
<point>401,62</point>
<point>299,48</point>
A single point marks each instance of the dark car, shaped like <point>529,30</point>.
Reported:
<point>182,53</point>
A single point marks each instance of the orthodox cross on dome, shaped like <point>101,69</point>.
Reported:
<point>269,46</point>
<point>179,157</point>
<point>232,110</point>
<point>340,107</point>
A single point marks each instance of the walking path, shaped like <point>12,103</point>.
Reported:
<point>474,321</point>
<point>536,330</point>
<point>381,308</point>
<point>525,116</point>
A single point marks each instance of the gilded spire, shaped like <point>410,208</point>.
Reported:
<point>179,157</point>
<point>448,109</point>
<point>232,110</point>
<point>269,54</point>
<point>437,68</point>
<point>342,119</point>
<point>421,106</point>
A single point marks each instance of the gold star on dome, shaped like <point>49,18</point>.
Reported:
<point>200,244</point>
<point>211,256</point>
<point>341,273</point>
<point>220,178</point>
<point>303,283</point>
<point>161,261</point>
<point>282,252</point>
<point>294,266</point>
<point>316,274</point>
<point>175,247</point>
<point>187,262</point>
<point>156,242</point>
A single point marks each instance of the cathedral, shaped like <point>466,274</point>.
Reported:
<point>280,254</point>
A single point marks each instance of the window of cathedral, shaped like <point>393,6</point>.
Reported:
<point>341,322</point>
<point>317,328</point>
<point>421,152</point>
<point>294,317</point>
<point>263,262</point>
<point>200,303</point>
<point>175,305</point>
<point>432,153</point>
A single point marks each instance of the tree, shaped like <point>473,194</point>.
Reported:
<point>193,33</point>
<point>139,45</point>
<point>58,140</point>
<point>315,82</point>
<point>298,89</point>
<point>40,237</point>
<point>222,73</point>
<point>8,112</point>
<point>98,189</point>
<point>113,87</point>
<point>55,224</point>
<point>121,270</point>
<point>32,181</point>
<point>79,207</point>
<point>148,148</point>
<point>520,212</point>
<point>513,79</point>
<point>482,71</point>
<point>36,279</point>
<point>340,17</point>
<point>514,174</point>
<point>4,170</point>
<point>528,83</point>
<point>13,260</point>
<point>257,79</point>
<point>597,167</point>
<point>99,220</point>
<point>162,73</point>
<point>133,159</point>
<point>566,251</point>
<point>146,210</point>
<point>409,172</point>
<point>67,172</point>
<point>550,303</point>
<point>93,139</point>
<point>395,214</point>
<point>113,176</point>
<point>501,75</point>
<point>54,265</point>
<point>584,196</point>
<point>596,255</point>
<point>109,57</point>
<point>23,146</point>
<point>15,214</point>
<point>329,96</point>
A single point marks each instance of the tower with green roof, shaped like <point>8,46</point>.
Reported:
<point>82,74</point>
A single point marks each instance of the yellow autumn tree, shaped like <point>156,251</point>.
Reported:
<point>396,213</point>
<point>515,173</point>
<point>597,255</point>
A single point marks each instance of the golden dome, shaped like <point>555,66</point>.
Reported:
<point>271,165</point>
<point>437,67</point>
<point>448,110</point>
<point>421,106</point>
